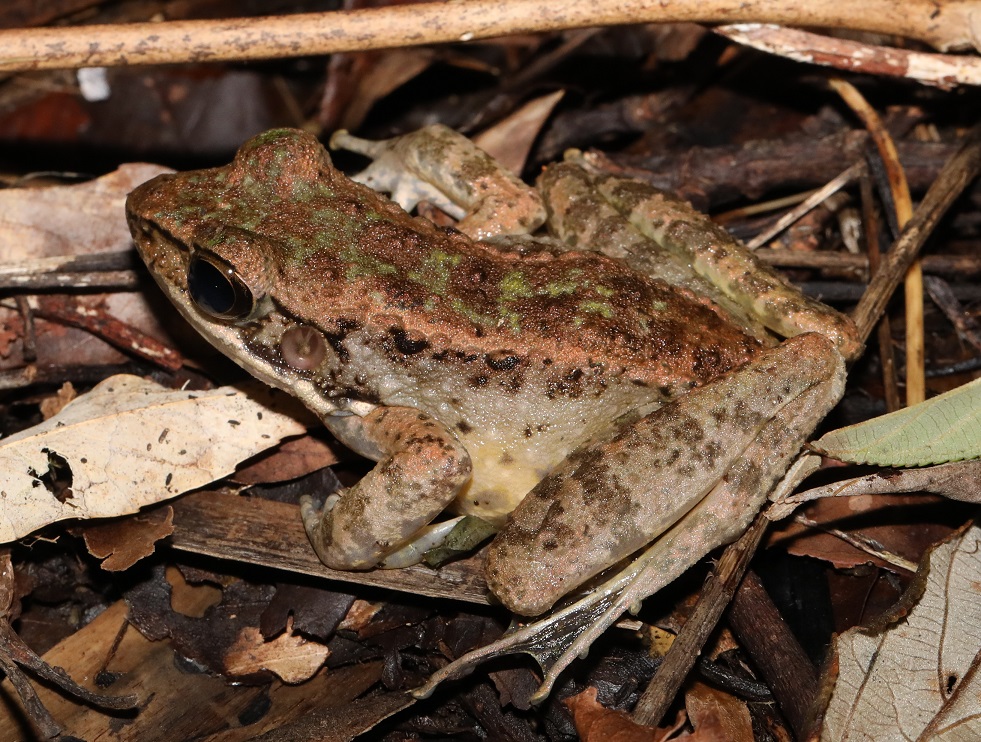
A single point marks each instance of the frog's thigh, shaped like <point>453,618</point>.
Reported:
<point>715,452</point>
<point>421,466</point>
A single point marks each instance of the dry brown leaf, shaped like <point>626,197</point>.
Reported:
<point>359,615</point>
<point>291,460</point>
<point>918,677</point>
<point>510,140</point>
<point>596,723</point>
<point>860,516</point>
<point>709,708</point>
<point>130,443</point>
<point>122,543</point>
<point>290,656</point>
<point>193,600</point>
<point>380,75</point>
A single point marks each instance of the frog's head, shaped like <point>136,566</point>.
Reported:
<point>215,242</point>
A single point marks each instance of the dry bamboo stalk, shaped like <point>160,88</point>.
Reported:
<point>951,25</point>
<point>915,369</point>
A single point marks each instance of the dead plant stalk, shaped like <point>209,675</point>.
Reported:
<point>951,25</point>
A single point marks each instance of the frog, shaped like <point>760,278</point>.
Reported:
<point>617,382</point>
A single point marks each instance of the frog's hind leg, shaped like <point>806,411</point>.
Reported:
<point>421,467</point>
<point>763,413</point>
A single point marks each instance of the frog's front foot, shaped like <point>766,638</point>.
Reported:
<point>313,511</point>
<point>421,467</point>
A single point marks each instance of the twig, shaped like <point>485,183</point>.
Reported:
<point>957,265</point>
<point>775,650</point>
<point>946,26</point>
<point>715,596</point>
<point>887,358</point>
<point>899,188</point>
<point>814,200</point>
<point>945,299</point>
<point>943,70</point>
<point>960,170</point>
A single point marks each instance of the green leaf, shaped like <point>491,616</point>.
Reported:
<point>942,429</point>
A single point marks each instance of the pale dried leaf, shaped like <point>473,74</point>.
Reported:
<point>130,443</point>
<point>289,656</point>
<point>945,428</point>
<point>917,678</point>
<point>70,220</point>
<point>960,480</point>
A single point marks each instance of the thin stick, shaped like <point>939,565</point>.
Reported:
<point>943,70</point>
<point>957,173</point>
<point>715,596</point>
<point>890,384</point>
<point>944,26</point>
<point>814,200</point>
<point>915,372</point>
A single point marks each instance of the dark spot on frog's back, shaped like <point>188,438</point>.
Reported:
<point>406,345</point>
<point>503,360</point>
<point>570,385</point>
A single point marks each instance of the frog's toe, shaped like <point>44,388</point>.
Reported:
<point>312,508</point>
<point>313,511</point>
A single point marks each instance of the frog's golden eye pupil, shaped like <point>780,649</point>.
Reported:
<point>217,291</point>
<point>303,347</point>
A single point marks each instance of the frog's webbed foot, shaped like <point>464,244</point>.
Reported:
<point>439,165</point>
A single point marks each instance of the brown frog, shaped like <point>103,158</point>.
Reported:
<point>477,372</point>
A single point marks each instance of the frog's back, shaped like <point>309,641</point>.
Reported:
<point>498,313</point>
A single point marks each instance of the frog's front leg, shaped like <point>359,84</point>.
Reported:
<point>421,467</point>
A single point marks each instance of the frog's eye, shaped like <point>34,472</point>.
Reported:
<point>217,290</point>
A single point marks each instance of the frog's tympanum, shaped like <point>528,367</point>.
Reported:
<point>543,385</point>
